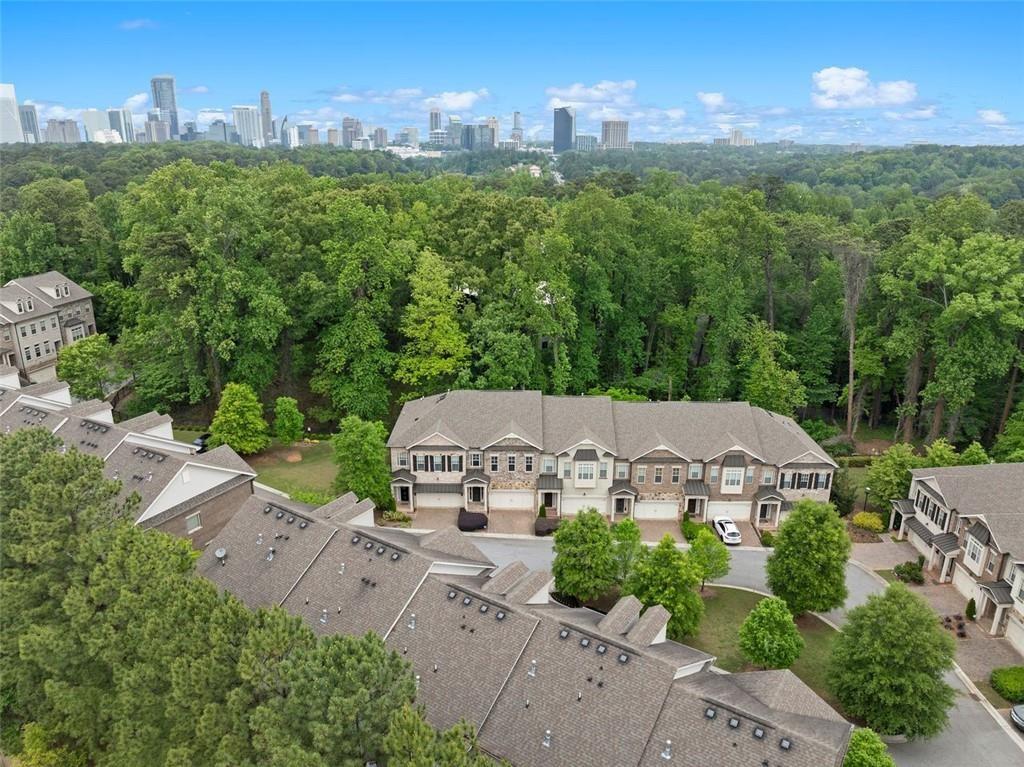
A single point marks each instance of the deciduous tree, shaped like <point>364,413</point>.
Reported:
<point>807,567</point>
<point>666,576</point>
<point>88,365</point>
<point>768,636</point>
<point>866,749</point>
<point>627,548</point>
<point>361,458</point>
<point>239,421</point>
<point>288,421</point>
<point>710,556</point>
<point>584,567</point>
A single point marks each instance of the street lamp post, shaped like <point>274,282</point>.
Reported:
<point>866,491</point>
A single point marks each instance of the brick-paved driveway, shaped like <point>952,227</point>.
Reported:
<point>885,554</point>
<point>502,521</point>
<point>653,530</point>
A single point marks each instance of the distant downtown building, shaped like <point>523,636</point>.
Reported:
<point>121,121</point>
<point>435,119</point>
<point>94,121</point>
<point>266,118</point>
<point>29,123</point>
<point>218,130</point>
<point>351,131</point>
<point>380,138</point>
<point>165,101</point>
<point>333,137</point>
<point>494,125</point>
<point>408,136</point>
<point>517,128</point>
<point>62,132</point>
<point>248,125</point>
<point>454,130</point>
<point>157,131</point>
<point>586,143</point>
<point>736,138</point>
<point>11,131</point>
<point>615,134</point>
<point>565,129</point>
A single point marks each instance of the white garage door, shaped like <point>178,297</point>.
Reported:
<point>736,510</point>
<point>656,510</point>
<point>574,505</point>
<point>510,499</point>
<point>965,583</point>
<point>438,501</point>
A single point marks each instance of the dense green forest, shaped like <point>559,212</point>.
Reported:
<point>889,283</point>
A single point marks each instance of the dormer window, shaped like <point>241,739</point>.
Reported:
<point>21,306</point>
<point>29,304</point>
<point>67,290</point>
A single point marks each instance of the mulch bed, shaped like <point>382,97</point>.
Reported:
<point>859,535</point>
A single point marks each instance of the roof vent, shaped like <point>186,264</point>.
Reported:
<point>547,739</point>
<point>533,668</point>
<point>734,722</point>
<point>380,550</point>
<point>341,569</point>
<point>500,615</point>
<point>467,601</point>
<point>369,545</point>
<point>355,539</point>
<point>303,525</point>
<point>623,658</point>
<point>483,608</point>
<point>785,744</point>
<point>270,554</point>
<point>710,713</point>
<point>259,539</point>
<point>417,681</point>
<point>291,520</point>
<point>601,649</point>
<point>323,616</point>
<point>666,753</point>
<point>585,642</point>
<point>563,634</point>
<point>759,733</point>
<point>221,554</point>
<point>412,621</point>
<point>452,594</point>
<point>266,509</point>
<point>279,514</point>
<point>395,556</point>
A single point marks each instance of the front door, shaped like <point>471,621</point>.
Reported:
<point>548,500</point>
<point>622,506</point>
<point>765,513</point>
<point>403,494</point>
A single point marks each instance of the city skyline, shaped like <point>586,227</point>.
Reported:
<point>864,88</point>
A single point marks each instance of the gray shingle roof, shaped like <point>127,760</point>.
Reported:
<point>38,287</point>
<point>1000,591</point>
<point>697,430</point>
<point>585,454</point>
<point>917,527</point>
<point>223,457</point>
<point>947,543</point>
<point>145,422</point>
<point>734,460</point>
<point>549,482</point>
<point>622,486</point>
<point>980,533</point>
<point>696,487</point>
<point>403,475</point>
<point>476,475</point>
<point>768,493</point>
<point>439,487</point>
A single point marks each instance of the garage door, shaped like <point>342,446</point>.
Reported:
<point>736,510</point>
<point>510,499</point>
<point>573,506</point>
<point>656,510</point>
<point>965,583</point>
<point>438,501</point>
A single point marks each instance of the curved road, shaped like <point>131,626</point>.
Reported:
<point>972,736</point>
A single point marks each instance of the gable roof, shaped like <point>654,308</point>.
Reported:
<point>470,418</point>
<point>38,288</point>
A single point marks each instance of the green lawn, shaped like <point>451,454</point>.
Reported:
<point>313,473</point>
<point>186,435</point>
<point>994,697</point>
<point>888,575</point>
<point>719,631</point>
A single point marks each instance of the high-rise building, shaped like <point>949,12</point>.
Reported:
<point>10,120</point>
<point>94,121</point>
<point>408,136</point>
<point>106,136</point>
<point>165,100</point>
<point>435,119</point>
<point>29,123</point>
<point>495,126</point>
<point>247,123</point>
<point>189,131</point>
<point>736,138</point>
<point>266,118</point>
<point>585,143</point>
<point>121,121</point>
<point>351,131</point>
<point>281,128</point>
<point>62,132</point>
<point>218,131</point>
<point>564,129</point>
<point>517,129</point>
<point>486,138</point>
<point>454,130</point>
<point>157,131</point>
<point>333,136</point>
<point>380,138</point>
<point>312,136</point>
<point>615,134</point>
<point>439,136</point>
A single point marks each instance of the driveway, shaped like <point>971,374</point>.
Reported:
<point>972,737</point>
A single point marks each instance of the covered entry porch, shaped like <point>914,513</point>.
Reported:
<point>695,499</point>
<point>995,605</point>
<point>768,506</point>
<point>549,494</point>
<point>622,497</point>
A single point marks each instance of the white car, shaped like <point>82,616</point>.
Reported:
<point>727,531</point>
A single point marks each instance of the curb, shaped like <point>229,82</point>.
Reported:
<point>869,571</point>
<point>992,711</point>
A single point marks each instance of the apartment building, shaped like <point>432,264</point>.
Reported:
<point>495,451</point>
<point>968,521</point>
<point>38,316</point>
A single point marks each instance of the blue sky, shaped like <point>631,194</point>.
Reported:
<point>875,73</point>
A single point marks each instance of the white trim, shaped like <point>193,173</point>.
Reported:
<point>821,459</point>
<point>663,447</point>
<point>586,442</point>
<point>512,434</point>
<point>145,513</point>
<point>739,447</point>
<point>424,441</point>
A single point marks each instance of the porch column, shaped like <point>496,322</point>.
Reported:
<point>947,563</point>
<point>997,619</point>
<point>931,557</point>
<point>902,535</point>
<point>487,506</point>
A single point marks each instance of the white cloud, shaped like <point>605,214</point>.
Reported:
<point>711,101</point>
<point>924,113</point>
<point>396,96</point>
<point>605,92</point>
<point>992,117</point>
<point>132,25</point>
<point>207,115</point>
<point>137,102</point>
<point>851,87</point>
<point>789,131</point>
<point>197,89</point>
<point>456,100</point>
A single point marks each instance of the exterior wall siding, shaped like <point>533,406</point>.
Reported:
<point>214,514</point>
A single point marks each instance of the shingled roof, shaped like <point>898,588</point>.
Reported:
<point>628,430</point>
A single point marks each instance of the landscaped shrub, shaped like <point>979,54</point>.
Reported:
<point>312,497</point>
<point>972,609</point>
<point>690,529</point>
<point>1009,682</point>
<point>839,449</point>
<point>767,539</point>
<point>867,520</point>
<point>910,572</point>
<point>394,516</point>
<point>542,512</point>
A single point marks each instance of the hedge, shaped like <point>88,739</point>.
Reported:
<point>867,520</point>
<point>1009,682</point>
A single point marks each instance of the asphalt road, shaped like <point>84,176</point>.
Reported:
<point>972,739</point>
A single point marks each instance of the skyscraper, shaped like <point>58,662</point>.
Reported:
<point>454,130</point>
<point>29,123</point>
<point>247,123</point>
<point>333,136</point>
<point>266,118</point>
<point>380,138</point>
<point>435,119</point>
<point>351,131</point>
<point>158,131</point>
<point>94,121</point>
<point>165,100</point>
<point>62,132</point>
<point>564,129</point>
<point>586,143</point>
<point>495,126</point>
<point>517,128</point>
<point>10,120</point>
<point>615,134</point>
<point>121,121</point>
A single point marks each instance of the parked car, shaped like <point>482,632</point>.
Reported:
<point>1017,716</point>
<point>200,442</point>
<point>727,531</point>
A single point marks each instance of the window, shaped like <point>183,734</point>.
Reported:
<point>695,471</point>
<point>420,462</point>
<point>990,565</point>
<point>621,471</point>
<point>28,353</point>
<point>21,306</point>
<point>658,472</point>
<point>46,346</point>
<point>193,523</point>
<point>603,470</point>
<point>732,479</point>
<point>511,462</point>
<point>24,331</point>
<point>1019,595</point>
<point>38,352</point>
<point>53,321</point>
<point>528,463</point>
<point>548,466</point>
<point>567,470</point>
<point>641,474</point>
<point>768,477</point>
<point>803,480</point>
<point>475,460</point>
<point>403,460</point>
<point>30,304</point>
<point>456,462</point>
<point>476,494</point>
<point>494,463</point>
<point>973,549</point>
<point>67,291</point>
<point>675,475</point>
<point>585,471</point>
<point>32,328</point>
<point>713,475</point>
<point>749,478</point>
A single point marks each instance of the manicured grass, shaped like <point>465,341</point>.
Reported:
<point>186,435</point>
<point>314,472</point>
<point>994,697</point>
<point>888,575</point>
<point>719,635</point>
